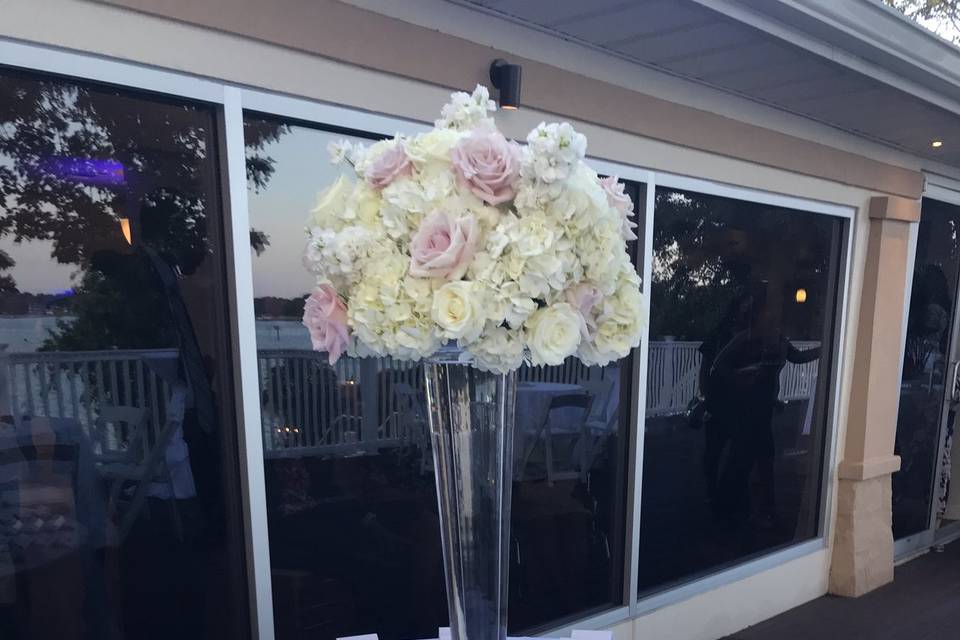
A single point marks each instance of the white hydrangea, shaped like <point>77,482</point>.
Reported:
<point>498,350</point>
<point>338,257</point>
<point>467,110</point>
<point>389,311</point>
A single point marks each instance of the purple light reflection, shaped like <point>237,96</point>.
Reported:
<point>90,171</point>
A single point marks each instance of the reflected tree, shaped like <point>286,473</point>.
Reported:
<point>709,250</point>
<point>116,185</point>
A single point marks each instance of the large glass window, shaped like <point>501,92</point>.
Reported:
<point>119,513</point>
<point>744,301</point>
<point>354,537</point>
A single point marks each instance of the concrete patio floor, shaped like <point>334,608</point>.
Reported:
<point>922,602</point>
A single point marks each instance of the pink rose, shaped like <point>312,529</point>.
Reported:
<point>488,165</point>
<point>325,317</point>
<point>584,297</point>
<point>443,246</point>
<point>388,166</point>
<point>620,201</point>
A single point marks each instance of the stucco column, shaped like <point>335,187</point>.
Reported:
<point>863,536</point>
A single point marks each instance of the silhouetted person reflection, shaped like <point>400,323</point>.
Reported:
<point>750,366</point>
<point>719,410</point>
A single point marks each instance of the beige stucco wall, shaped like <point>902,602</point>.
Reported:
<point>753,157</point>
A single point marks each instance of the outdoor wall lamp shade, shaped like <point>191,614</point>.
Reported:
<point>506,79</point>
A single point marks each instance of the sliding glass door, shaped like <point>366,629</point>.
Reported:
<point>922,500</point>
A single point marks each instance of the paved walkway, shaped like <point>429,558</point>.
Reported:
<point>922,603</point>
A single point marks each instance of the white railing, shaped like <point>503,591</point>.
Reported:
<point>371,404</point>
<point>357,404</point>
<point>673,376</point>
<point>78,384</point>
<point>307,405</point>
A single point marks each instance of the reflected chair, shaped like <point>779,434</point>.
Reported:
<point>143,463</point>
<point>601,422</point>
<point>409,421</point>
<point>562,446</point>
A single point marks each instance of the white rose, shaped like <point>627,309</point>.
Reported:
<point>553,334</point>
<point>432,147</point>
<point>458,311</point>
<point>331,204</point>
<point>364,206</point>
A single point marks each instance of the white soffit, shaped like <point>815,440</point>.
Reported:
<point>850,64</point>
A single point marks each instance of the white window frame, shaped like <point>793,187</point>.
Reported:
<point>232,101</point>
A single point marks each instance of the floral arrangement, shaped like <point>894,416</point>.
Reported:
<point>516,253</point>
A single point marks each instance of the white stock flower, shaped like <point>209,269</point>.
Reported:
<point>553,334</point>
<point>339,150</point>
<point>467,110</point>
<point>553,151</point>
<point>458,310</point>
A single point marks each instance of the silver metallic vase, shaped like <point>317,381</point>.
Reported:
<point>471,415</point>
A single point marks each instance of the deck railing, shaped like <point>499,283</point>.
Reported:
<point>307,405</point>
<point>79,384</point>
<point>370,404</point>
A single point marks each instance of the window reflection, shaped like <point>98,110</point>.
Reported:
<point>744,299</point>
<point>117,506</point>
<point>351,497</point>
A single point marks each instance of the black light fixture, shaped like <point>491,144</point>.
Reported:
<point>506,79</point>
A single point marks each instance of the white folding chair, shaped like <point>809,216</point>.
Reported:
<point>142,463</point>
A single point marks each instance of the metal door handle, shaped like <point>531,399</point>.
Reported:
<point>954,391</point>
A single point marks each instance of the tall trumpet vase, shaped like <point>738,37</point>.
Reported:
<point>471,416</point>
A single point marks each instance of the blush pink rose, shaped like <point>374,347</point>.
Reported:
<point>443,246</point>
<point>325,317</point>
<point>620,201</point>
<point>488,165</point>
<point>388,166</point>
<point>584,297</point>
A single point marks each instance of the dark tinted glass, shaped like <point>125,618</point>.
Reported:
<point>118,512</point>
<point>351,498</point>
<point>744,298</point>
<point>926,366</point>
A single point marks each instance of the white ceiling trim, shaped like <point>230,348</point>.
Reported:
<point>488,27</point>
<point>749,16</point>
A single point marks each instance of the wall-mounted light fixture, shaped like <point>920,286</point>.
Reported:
<point>506,79</point>
<point>800,296</point>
